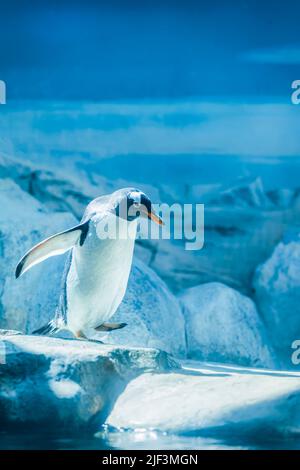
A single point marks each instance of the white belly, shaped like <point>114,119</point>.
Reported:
<point>97,280</point>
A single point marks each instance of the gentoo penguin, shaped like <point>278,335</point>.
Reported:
<point>98,267</point>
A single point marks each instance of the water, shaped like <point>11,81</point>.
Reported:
<point>141,440</point>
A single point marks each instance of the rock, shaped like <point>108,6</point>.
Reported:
<point>66,385</point>
<point>52,188</point>
<point>152,313</point>
<point>236,239</point>
<point>223,326</point>
<point>211,401</point>
<point>277,291</point>
<point>9,332</point>
<point>63,189</point>
<point>245,193</point>
<point>30,301</point>
<point>282,197</point>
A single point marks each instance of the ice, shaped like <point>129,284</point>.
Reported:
<point>66,385</point>
<point>212,401</point>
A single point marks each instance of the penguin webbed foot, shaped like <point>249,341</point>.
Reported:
<point>110,326</point>
<point>80,336</point>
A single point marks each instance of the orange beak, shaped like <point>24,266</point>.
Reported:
<point>154,217</point>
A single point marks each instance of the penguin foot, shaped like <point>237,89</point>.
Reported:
<point>110,326</point>
<point>80,335</point>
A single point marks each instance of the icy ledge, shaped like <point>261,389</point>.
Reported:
<point>70,387</point>
<point>66,385</point>
<point>212,400</point>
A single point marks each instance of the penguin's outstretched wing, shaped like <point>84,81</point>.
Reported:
<point>52,246</point>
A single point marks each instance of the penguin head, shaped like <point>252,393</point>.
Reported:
<point>134,203</point>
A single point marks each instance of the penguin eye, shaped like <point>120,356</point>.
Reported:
<point>136,204</point>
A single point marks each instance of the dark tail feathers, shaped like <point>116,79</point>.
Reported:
<point>49,328</point>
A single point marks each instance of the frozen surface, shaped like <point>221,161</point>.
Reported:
<point>67,385</point>
<point>223,325</point>
<point>212,400</point>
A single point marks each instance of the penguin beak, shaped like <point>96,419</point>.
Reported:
<point>155,218</point>
<point>152,216</point>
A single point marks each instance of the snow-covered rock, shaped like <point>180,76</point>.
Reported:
<point>227,402</point>
<point>66,385</point>
<point>223,325</point>
<point>29,301</point>
<point>152,313</point>
<point>277,290</point>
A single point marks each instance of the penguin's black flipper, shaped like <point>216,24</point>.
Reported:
<point>49,328</point>
<point>110,326</point>
<point>55,245</point>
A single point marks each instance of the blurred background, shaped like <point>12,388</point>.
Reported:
<point>111,50</point>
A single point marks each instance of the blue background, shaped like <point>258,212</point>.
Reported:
<point>149,49</point>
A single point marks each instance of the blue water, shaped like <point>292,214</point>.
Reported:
<point>144,440</point>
